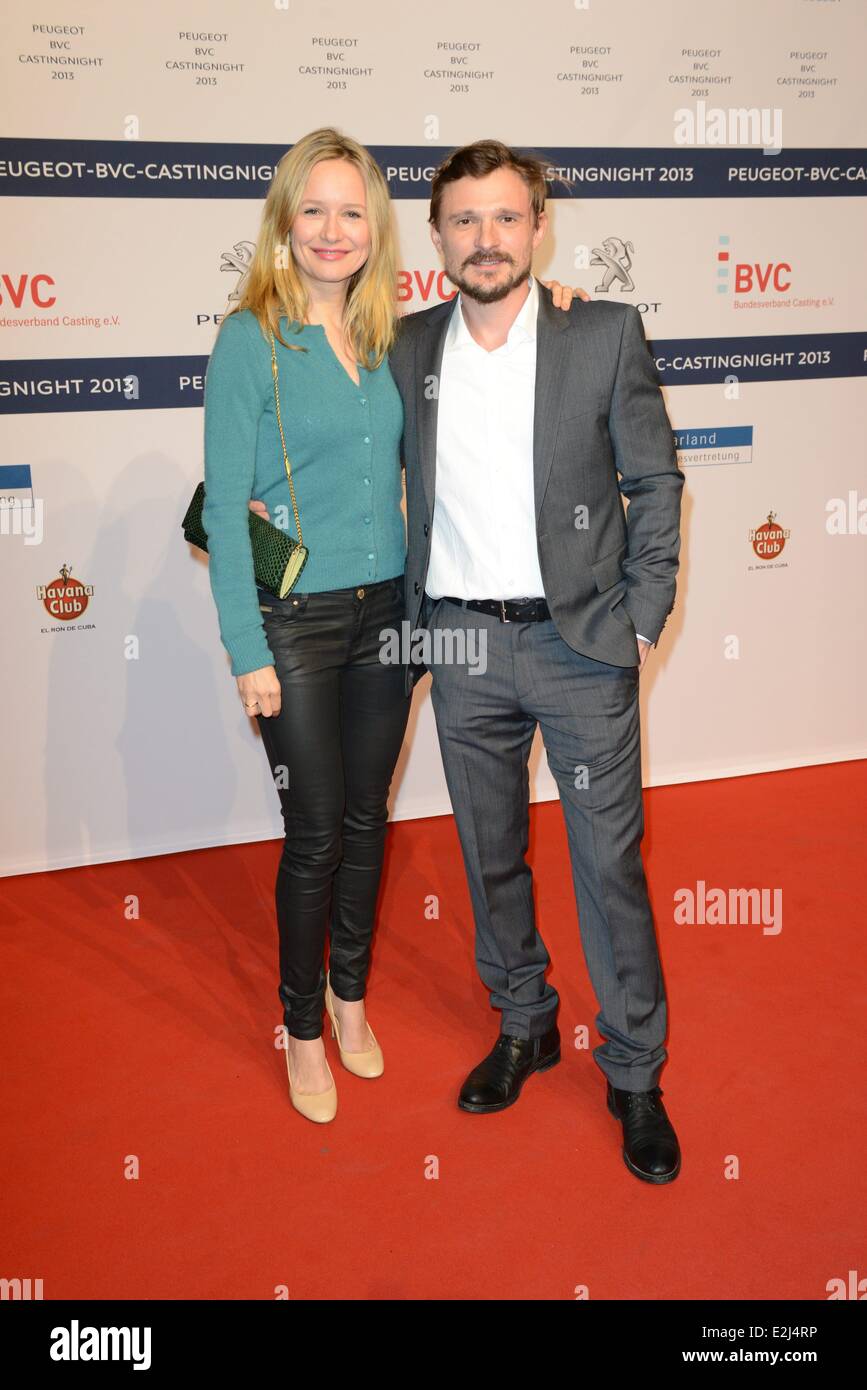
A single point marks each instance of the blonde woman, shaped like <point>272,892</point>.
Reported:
<point>331,714</point>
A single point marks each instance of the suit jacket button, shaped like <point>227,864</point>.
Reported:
<point>426,528</point>
<point>416,586</point>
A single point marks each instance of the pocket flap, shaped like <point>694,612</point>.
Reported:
<point>608,570</point>
<point>597,404</point>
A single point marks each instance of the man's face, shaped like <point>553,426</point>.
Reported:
<point>486,235</point>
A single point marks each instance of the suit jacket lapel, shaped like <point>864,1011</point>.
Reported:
<point>552,369</point>
<point>428,365</point>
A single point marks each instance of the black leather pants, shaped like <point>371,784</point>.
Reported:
<point>333,749</point>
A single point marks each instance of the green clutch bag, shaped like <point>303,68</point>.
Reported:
<point>278,558</point>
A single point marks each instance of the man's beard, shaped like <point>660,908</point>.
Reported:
<point>486,294</point>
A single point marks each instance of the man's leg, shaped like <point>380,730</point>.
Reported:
<point>485,739</point>
<point>588,714</point>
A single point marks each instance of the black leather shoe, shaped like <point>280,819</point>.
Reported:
<point>650,1147</point>
<point>496,1082</point>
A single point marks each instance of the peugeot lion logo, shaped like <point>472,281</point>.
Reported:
<point>238,261</point>
<point>614,254</point>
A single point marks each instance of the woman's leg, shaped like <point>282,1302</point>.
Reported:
<point>304,750</point>
<point>373,715</point>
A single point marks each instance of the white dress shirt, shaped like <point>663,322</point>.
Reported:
<point>483,536</point>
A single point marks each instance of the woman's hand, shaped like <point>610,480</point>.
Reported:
<point>262,686</point>
<point>564,294</point>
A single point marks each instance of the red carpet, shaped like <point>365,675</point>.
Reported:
<point>151,1042</point>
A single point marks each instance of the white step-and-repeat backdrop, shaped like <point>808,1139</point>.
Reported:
<point>719,186</point>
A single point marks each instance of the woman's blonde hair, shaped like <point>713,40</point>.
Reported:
<point>272,285</point>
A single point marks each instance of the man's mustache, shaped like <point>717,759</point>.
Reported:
<point>480,256</point>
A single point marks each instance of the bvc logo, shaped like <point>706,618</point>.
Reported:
<point>752,278</point>
<point>32,288</point>
<point>424,285</point>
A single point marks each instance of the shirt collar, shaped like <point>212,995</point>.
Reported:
<point>523,329</point>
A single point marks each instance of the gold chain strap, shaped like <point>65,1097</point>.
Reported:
<point>282,438</point>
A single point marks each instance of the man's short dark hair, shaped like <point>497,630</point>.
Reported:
<point>481,158</point>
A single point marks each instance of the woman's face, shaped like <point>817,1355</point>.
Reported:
<point>330,234</point>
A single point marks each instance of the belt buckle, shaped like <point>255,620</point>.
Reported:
<point>503,618</point>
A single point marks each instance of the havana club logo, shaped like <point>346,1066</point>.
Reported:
<point>65,598</point>
<point>768,539</point>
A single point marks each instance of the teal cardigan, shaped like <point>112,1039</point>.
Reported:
<point>343,443</point>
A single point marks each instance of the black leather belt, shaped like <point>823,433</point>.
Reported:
<point>508,610</point>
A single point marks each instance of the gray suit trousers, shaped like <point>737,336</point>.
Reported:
<point>588,714</point>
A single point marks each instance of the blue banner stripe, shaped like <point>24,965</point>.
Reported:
<point>43,386</point>
<point>187,169</point>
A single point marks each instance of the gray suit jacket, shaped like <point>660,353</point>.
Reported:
<point>599,412</point>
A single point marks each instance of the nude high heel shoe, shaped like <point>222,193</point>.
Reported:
<point>359,1063</point>
<point>320,1107</point>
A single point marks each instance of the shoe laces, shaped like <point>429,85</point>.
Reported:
<point>644,1113</point>
<point>504,1053</point>
<point>645,1100</point>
